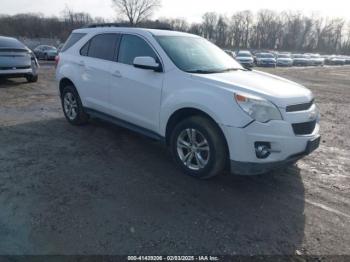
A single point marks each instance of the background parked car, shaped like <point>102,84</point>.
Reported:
<point>316,60</point>
<point>336,60</point>
<point>46,52</point>
<point>284,60</point>
<point>347,60</point>
<point>245,58</point>
<point>17,60</point>
<point>265,59</point>
<point>301,60</point>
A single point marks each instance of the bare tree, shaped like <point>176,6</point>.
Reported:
<point>136,10</point>
<point>221,29</point>
<point>210,21</point>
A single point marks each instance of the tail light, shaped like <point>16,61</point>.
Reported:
<point>57,60</point>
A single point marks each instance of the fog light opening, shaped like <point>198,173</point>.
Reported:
<point>262,150</point>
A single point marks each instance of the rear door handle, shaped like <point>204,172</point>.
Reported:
<point>81,63</point>
<point>117,74</point>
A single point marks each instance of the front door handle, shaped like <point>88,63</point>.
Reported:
<point>81,63</point>
<point>117,74</point>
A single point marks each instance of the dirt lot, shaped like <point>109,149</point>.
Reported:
<point>101,189</point>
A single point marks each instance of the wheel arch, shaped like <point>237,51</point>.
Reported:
<point>66,82</point>
<point>186,112</point>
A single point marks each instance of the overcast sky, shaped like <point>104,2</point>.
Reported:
<point>192,10</point>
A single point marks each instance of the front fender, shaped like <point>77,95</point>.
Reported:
<point>218,103</point>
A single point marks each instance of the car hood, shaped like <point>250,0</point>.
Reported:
<point>280,91</point>
<point>317,59</point>
<point>285,59</point>
<point>266,59</point>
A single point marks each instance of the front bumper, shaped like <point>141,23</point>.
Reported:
<point>279,63</point>
<point>247,168</point>
<point>266,63</point>
<point>301,63</point>
<point>286,147</point>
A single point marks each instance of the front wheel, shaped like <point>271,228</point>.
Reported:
<point>198,147</point>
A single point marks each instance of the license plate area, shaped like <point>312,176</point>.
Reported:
<point>312,145</point>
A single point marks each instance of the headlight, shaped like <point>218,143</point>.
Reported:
<point>258,108</point>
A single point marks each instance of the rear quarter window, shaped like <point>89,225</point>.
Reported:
<point>72,40</point>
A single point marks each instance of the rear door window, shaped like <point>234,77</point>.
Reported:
<point>103,46</point>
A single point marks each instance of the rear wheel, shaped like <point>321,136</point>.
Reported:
<point>32,78</point>
<point>198,147</point>
<point>72,106</point>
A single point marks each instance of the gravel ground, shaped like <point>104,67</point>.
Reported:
<point>100,189</point>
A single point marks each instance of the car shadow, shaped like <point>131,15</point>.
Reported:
<point>8,82</point>
<point>100,189</point>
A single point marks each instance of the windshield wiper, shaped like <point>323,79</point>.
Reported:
<point>201,71</point>
<point>230,69</point>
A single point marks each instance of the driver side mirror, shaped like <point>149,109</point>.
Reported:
<point>148,63</point>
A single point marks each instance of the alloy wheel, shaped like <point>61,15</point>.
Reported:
<point>70,106</point>
<point>193,149</point>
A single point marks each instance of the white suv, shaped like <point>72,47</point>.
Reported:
<point>185,91</point>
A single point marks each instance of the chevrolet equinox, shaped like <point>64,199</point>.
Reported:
<point>181,89</point>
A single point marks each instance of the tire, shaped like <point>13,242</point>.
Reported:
<point>32,78</point>
<point>208,137</point>
<point>72,107</point>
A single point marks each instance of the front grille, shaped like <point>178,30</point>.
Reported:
<point>300,107</point>
<point>306,128</point>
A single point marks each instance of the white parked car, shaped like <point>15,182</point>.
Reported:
<point>316,60</point>
<point>284,60</point>
<point>245,58</point>
<point>183,90</point>
<point>301,60</point>
<point>265,59</point>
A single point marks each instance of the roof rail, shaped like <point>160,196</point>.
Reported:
<point>109,25</point>
<point>151,26</point>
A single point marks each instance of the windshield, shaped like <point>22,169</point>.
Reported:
<point>196,55</point>
<point>244,55</point>
<point>265,55</point>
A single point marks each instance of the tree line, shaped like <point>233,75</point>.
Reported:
<point>286,31</point>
